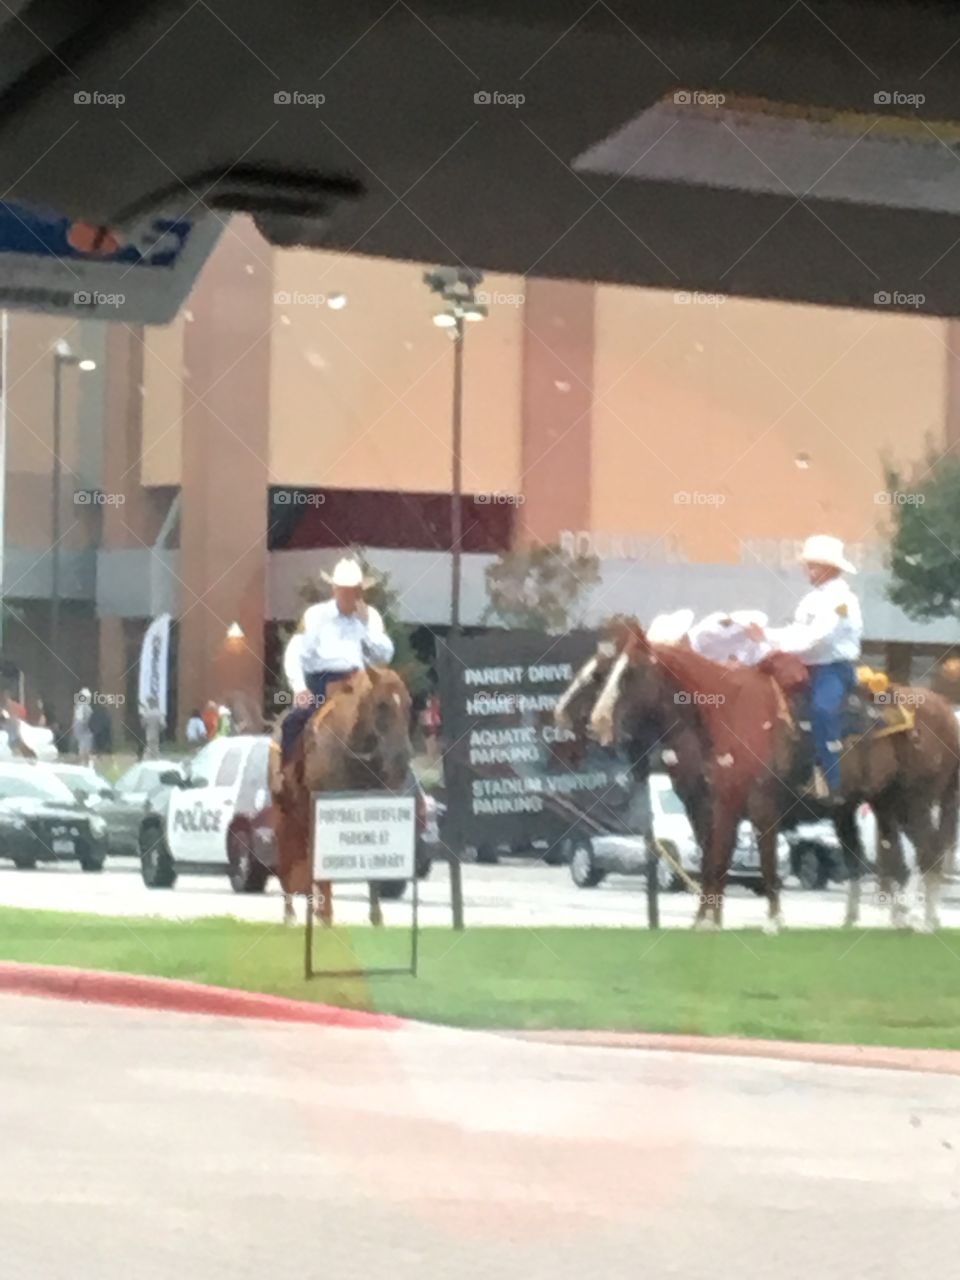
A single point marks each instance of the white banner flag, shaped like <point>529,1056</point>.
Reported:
<point>154,663</point>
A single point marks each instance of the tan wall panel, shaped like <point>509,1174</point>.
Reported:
<point>360,397</point>
<point>702,399</point>
<point>162,403</point>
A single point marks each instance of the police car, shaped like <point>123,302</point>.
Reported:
<point>203,820</point>
<point>215,816</point>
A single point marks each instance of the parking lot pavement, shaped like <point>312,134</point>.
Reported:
<point>516,892</point>
<point>165,1144</point>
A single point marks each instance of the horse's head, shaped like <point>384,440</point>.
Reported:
<point>380,740</point>
<point>576,705</point>
<point>630,704</point>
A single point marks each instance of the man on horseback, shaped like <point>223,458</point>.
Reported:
<point>336,638</point>
<point>825,633</point>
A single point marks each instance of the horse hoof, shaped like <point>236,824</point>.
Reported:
<point>289,919</point>
<point>705,926</point>
<point>772,925</point>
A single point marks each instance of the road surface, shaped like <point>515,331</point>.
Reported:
<point>516,893</point>
<point>161,1145</point>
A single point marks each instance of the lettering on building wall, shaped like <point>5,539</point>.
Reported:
<point>612,545</point>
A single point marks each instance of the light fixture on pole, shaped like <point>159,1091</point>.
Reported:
<point>63,358</point>
<point>457,288</point>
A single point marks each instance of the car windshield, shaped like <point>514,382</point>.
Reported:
<point>86,781</point>
<point>33,785</point>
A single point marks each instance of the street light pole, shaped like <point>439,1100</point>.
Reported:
<point>58,360</point>
<point>62,356</point>
<point>456,488</point>
<point>457,287</point>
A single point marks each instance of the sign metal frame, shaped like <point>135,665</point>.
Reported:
<point>409,970</point>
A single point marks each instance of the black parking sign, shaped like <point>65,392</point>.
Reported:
<point>511,773</point>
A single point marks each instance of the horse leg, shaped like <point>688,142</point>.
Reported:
<point>892,873</point>
<point>376,913</point>
<point>926,841</point>
<point>767,841</point>
<point>849,836</point>
<point>288,852</point>
<point>716,863</point>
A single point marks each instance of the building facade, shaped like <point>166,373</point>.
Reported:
<point>302,402</point>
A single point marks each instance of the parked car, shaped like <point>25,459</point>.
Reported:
<point>214,815</point>
<point>124,805</point>
<point>86,784</point>
<point>42,821</point>
<point>593,857</point>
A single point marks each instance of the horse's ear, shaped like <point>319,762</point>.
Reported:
<point>637,641</point>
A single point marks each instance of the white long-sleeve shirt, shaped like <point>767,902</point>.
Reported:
<point>334,641</point>
<point>827,626</point>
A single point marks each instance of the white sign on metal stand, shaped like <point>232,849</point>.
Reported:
<point>362,836</point>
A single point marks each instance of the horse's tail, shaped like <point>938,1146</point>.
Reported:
<point>949,808</point>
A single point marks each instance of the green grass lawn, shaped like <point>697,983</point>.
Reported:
<point>875,987</point>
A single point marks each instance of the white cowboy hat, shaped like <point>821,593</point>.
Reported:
<point>670,628</point>
<point>822,548</point>
<point>347,573</point>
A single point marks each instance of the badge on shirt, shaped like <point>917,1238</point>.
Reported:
<point>843,610</point>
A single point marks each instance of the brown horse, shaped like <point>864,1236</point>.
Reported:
<point>755,767</point>
<point>358,741</point>
<point>679,737</point>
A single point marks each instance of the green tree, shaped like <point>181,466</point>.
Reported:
<point>406,662</point>
<point>539,588</point>
<point>925,539</point>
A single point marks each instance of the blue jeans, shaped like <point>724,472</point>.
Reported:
<point>294,722</point>
<point>830,682</point>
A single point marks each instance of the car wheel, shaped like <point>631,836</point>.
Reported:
<point>811,871</point>
<point>247,873</point>
<point>391,890</point>
<point>584,871</point>
<point>156,865</point>
<point>25,864</point>
<point>424,865</point>
<point>487,855</point>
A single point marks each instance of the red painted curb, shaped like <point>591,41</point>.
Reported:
<point>137,990</point>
